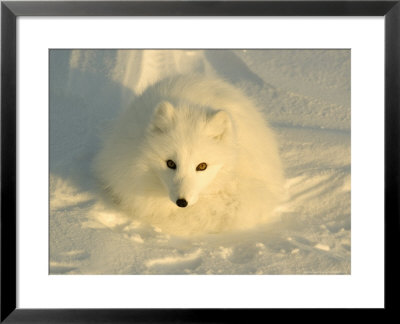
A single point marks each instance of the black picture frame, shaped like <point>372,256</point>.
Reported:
<point>11,10</point>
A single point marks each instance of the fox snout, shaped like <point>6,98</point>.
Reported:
<point>183,200</point>
<point>183,193</point>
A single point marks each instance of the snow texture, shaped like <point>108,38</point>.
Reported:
<point>305,95</point>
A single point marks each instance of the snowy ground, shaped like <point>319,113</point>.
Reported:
<point>306,98</point>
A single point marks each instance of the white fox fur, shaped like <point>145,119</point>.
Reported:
<point>191,120</point>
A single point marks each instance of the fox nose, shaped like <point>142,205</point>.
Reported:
<point>181,202</point>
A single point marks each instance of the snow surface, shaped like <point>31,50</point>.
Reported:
<point>306,97</point>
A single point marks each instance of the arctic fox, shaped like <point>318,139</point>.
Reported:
<point>192,155</point>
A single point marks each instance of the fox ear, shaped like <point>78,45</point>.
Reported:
<point>219,125</point>
<point>163,117</point>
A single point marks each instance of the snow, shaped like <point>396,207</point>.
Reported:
<point>305,95</point>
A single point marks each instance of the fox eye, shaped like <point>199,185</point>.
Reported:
<point>201,167</point>
<point>171,164</point>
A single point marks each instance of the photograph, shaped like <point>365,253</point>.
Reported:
<point>200,161</point>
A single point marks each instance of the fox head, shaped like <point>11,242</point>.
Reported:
<point>188,147</point>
